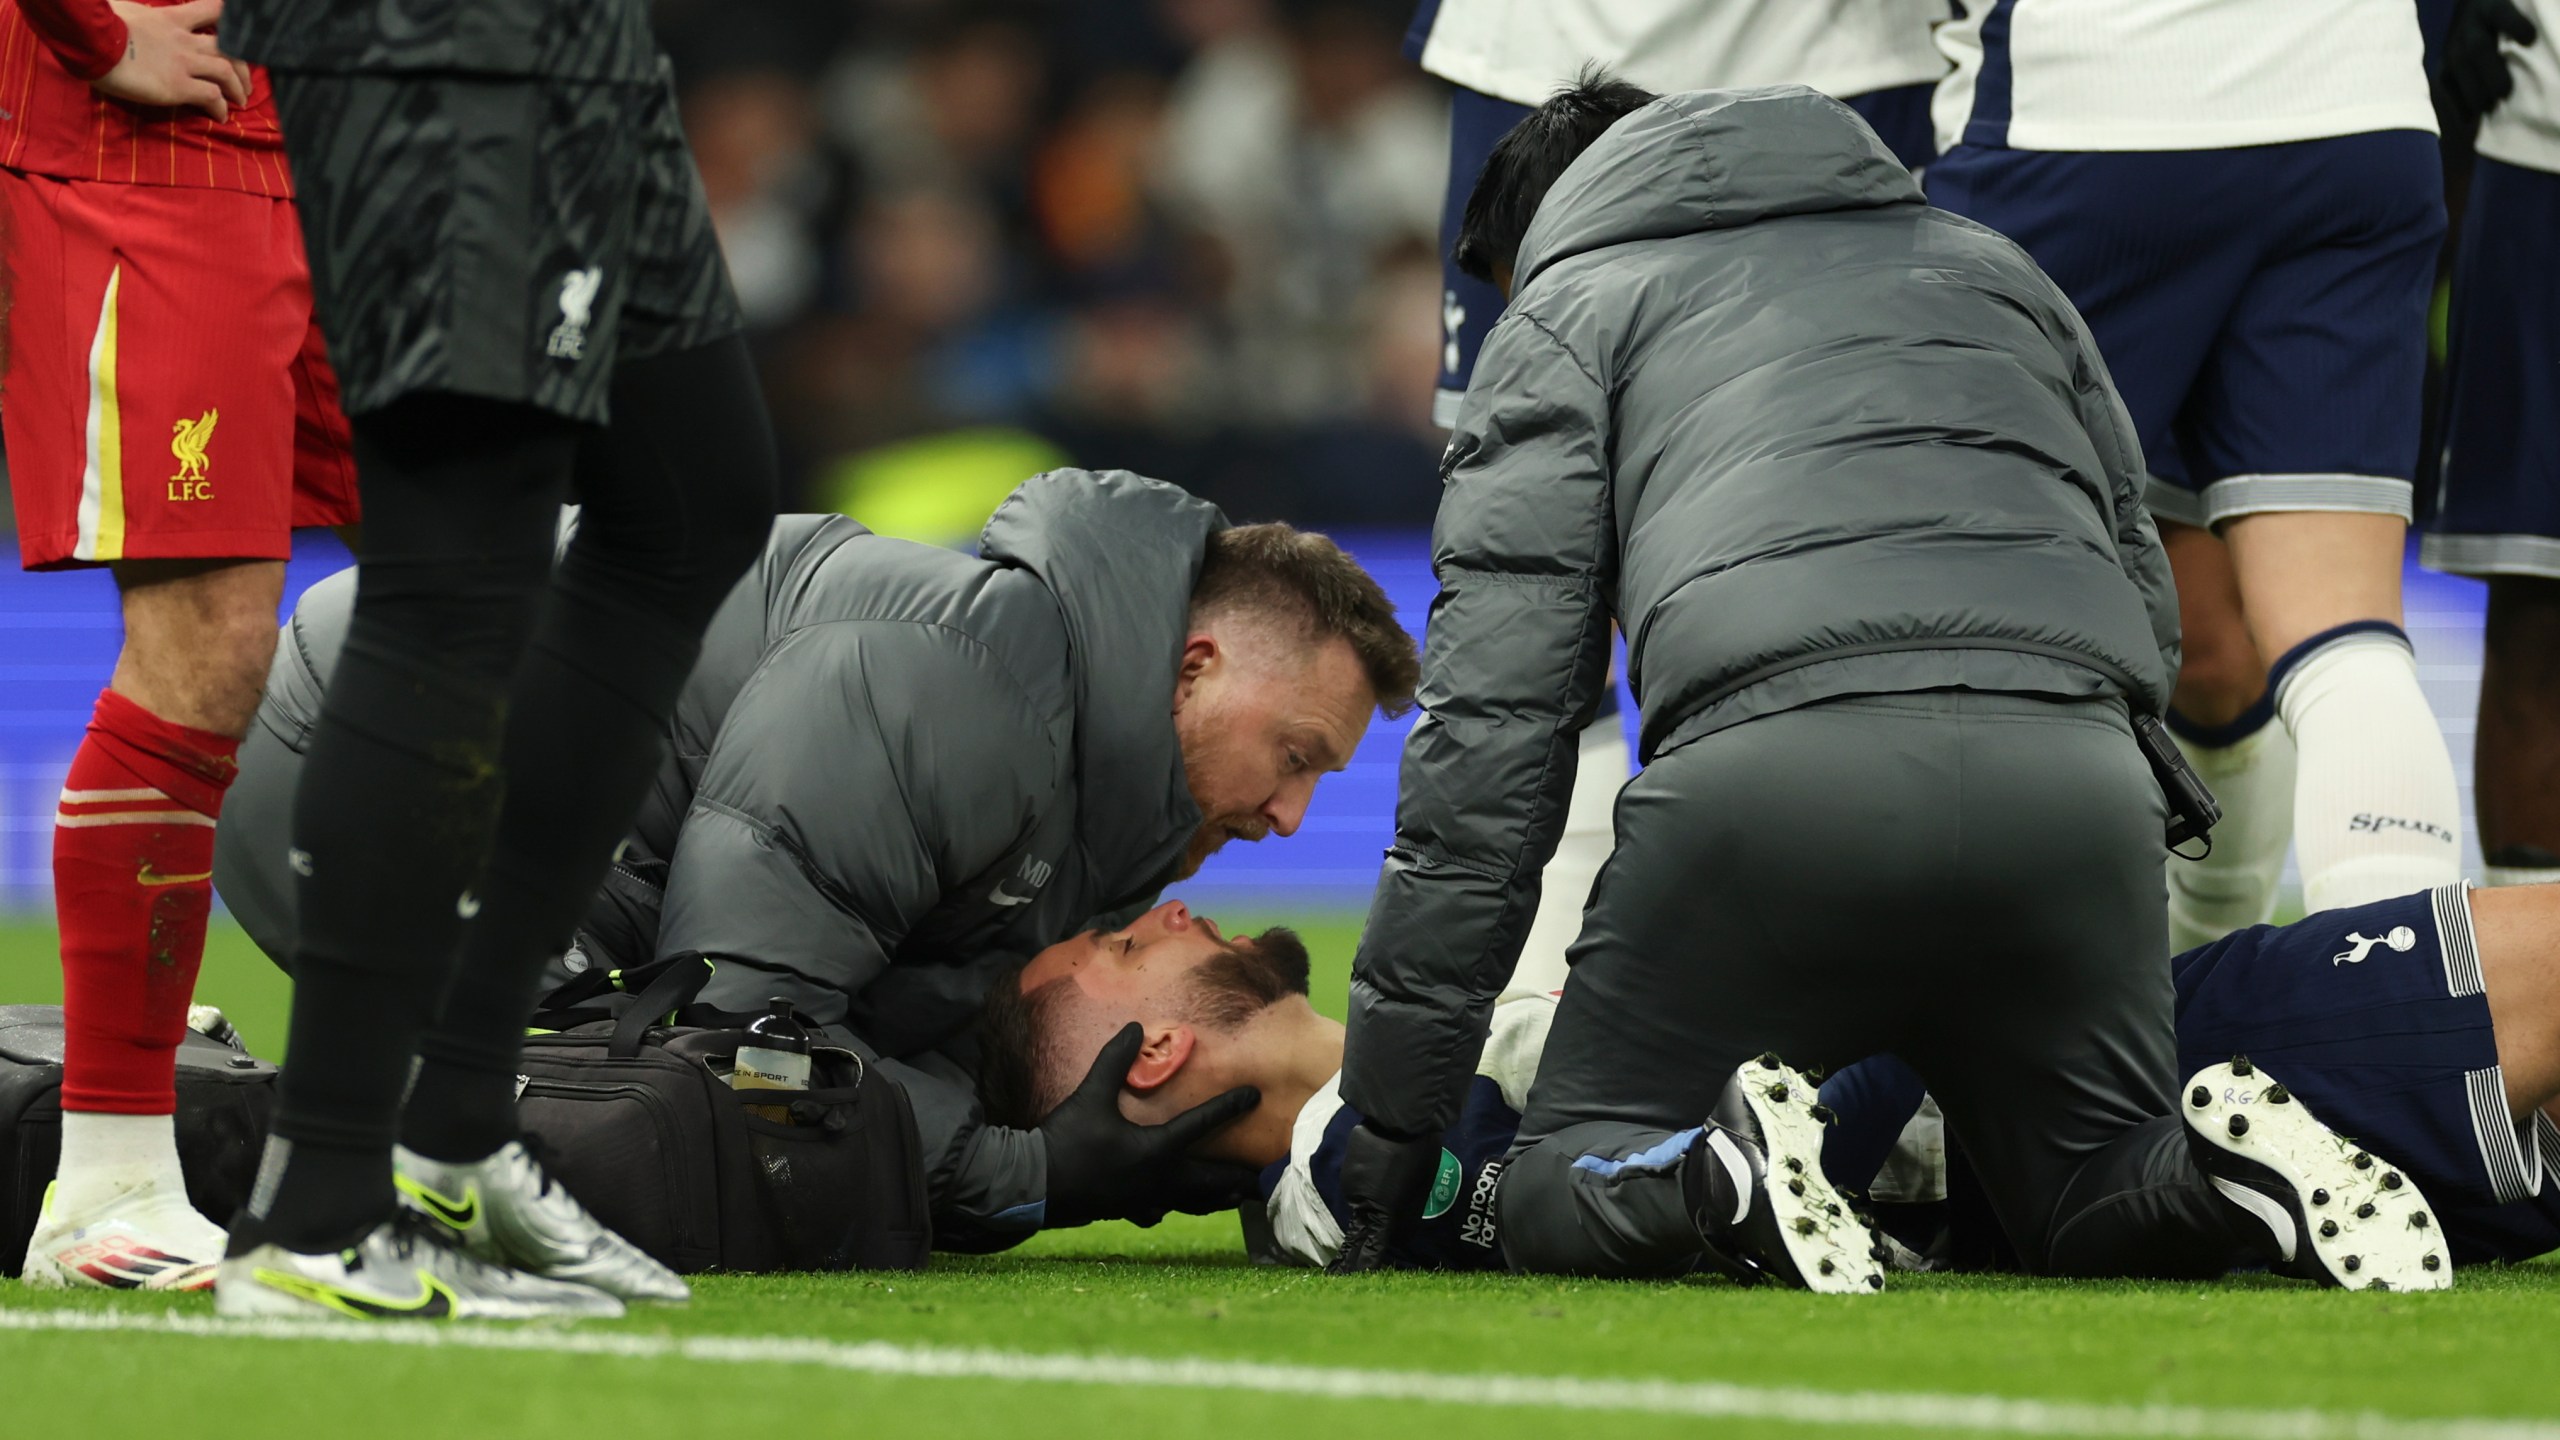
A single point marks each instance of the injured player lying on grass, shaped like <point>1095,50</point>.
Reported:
<point>2428,1027</point>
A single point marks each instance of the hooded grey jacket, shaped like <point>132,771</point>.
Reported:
<point>1803,437</point>
<point>895,774</point>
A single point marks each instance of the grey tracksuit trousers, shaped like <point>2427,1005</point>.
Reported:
<point>1970,881</point>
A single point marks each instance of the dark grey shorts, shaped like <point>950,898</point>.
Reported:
<point>501,236</point>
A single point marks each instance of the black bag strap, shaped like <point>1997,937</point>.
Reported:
<point>673,988</point>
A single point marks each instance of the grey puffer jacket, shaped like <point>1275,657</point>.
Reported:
<point>896,773</point>
<point>1802,436</point>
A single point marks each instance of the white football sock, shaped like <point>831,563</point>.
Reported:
<point>1600,772</point>
<point>2376,813</point>
<point>2234,886</point>
<point>105,1157</point>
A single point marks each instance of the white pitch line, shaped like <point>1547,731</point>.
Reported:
<point>1698,1399</point>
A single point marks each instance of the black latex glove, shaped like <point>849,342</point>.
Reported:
<point>1385,1180</point>
<point>1105,1166</point>
<point>2474,76</point>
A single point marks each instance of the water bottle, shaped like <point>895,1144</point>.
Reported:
<point>774,1056</point>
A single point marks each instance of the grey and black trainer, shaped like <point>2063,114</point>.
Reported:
<point>509,1210</point>
<point>2320,1206</point>
<point>403,1269</point>
<point>1756,1189</point>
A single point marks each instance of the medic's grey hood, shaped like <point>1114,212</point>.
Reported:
<point>1713,160</point>
<point>1121,553</point>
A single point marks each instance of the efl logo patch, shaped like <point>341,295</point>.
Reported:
<point>1444,1187</point>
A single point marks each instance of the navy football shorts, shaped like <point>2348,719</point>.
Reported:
<point>2262,310</point>
<point>1900,118</point>
<point>2375,1017</point>
<point>2498,503</point>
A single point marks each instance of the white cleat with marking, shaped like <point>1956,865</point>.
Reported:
<point>2328,1209</point>
<point>144,1239</point>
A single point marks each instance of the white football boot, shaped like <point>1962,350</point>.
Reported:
<point>403,1269</point>
<point>2322,1207</point>
<point>508,1210</point>
<point>147,1238</point>
<point>1758,1195</point>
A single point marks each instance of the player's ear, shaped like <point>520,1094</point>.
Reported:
<point>1168,1048</point>
<point>1198,654</point>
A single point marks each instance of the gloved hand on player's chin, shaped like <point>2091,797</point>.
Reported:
<point>2474,76</point>
<point>1105,1166</point>
<point>1384,1179</point>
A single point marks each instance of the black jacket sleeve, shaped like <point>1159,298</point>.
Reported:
<point>1513,667</point>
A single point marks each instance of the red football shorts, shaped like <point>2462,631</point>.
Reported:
<point>165,393</point>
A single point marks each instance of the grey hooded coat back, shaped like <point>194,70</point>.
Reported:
<point>1802,436</point>
<point>895,774</point>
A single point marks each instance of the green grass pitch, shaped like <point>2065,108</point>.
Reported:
<point>1119,1332</point>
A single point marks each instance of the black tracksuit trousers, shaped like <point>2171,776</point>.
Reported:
<point>1971,881</point>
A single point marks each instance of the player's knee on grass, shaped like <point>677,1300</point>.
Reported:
<point>1599,1199</point>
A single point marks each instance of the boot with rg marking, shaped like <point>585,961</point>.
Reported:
<point>2315,1203</point>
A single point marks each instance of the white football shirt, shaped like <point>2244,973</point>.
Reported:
<point>1523,50</point>
<point>2525,128</point>
<point>2179,74</point>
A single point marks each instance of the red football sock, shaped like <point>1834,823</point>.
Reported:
<point>132,882</point>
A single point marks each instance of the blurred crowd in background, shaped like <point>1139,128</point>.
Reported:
<point>1193,238</point>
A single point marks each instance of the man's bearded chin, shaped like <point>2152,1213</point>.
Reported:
<point>1213,835</point>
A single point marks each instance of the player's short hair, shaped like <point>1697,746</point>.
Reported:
<point>1525,163</point>
<point>1009,1030</point>
<point>1302,578</point>
<point>1021,1078</point>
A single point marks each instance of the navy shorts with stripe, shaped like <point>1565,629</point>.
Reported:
<point>1468,306</point>
<point>2375,1018</point>
<point>2490,1234</point>
<point>2263,310</point>
<point>2498,502</point>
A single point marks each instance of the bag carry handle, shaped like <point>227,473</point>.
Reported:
<point>672,990</point>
